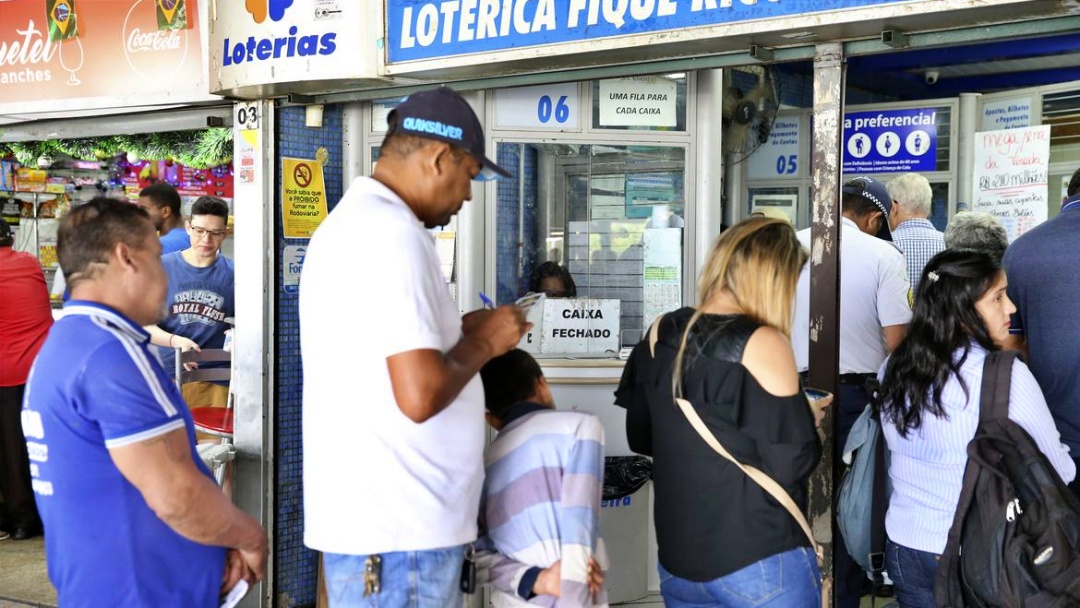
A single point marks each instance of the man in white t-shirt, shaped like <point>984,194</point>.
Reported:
<point>874,314</point>
<point>393,408</point>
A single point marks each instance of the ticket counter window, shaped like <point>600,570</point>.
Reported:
<point>612,217</point>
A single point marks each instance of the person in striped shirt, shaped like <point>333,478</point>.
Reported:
<point>540,509</point>
<point>931,387</point>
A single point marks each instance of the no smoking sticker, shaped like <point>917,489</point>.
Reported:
<point>302,175</point>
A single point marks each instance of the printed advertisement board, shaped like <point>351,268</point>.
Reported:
<point>890,141</point>
<point>428,29</point>
<point>112,56</point>
<point>1009,113</point>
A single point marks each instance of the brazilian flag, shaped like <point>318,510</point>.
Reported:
<point>61,19</point>
<point>171,14</point>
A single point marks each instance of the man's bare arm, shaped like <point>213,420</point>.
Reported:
<point>188,501</point>
<point>426,381</point>
<point>894,335</point>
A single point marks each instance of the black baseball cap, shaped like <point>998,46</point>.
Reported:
<point>875,192</point>
<point>443,115</point>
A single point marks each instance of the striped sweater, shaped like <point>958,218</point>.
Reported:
<point>541,503</point>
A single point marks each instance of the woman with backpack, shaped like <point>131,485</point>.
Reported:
<point>723,540</point>
<point>930,403</point>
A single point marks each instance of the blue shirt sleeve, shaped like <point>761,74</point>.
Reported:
<point>1028,408</point>
<point>128,395</point>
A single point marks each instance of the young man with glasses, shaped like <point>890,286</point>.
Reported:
<point>200,297</point>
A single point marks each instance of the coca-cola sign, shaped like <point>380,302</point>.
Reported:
<point>139,41</point>
<point>119,59</point>
<point>148,49</point>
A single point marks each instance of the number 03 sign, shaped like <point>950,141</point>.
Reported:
<point>549,106</point>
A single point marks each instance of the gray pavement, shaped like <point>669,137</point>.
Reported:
<point>23,578</point>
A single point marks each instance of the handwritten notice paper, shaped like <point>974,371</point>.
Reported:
<point>1011,177</point>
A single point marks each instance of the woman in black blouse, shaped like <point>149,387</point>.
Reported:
<point>723,541</point>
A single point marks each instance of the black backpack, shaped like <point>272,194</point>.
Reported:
<point>1015,539</point>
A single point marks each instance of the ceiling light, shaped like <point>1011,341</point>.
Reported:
<point>799,35</point>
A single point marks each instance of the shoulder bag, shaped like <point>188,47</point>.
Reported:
<point>767,483</point>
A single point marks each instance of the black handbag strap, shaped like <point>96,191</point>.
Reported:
<point>996,385</point>
<point>879,501</point>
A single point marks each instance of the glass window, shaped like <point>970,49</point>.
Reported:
<point>640,103</point>
<point>1062,112</point>
<point>380,111</point>
<point>611,216</point>
<point>944,137</point>
<point>785,200</point>
<point>939,205</point>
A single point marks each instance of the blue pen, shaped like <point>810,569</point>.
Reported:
<point>487,301</point>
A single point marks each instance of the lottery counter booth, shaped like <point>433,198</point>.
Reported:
<point>633,131</point>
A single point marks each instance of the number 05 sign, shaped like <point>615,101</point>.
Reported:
<point>549,106</point>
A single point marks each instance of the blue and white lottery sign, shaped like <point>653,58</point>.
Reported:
<point>890,141</point>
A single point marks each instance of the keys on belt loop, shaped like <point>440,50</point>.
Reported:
<point>467,583</point>
<point>372,574</point>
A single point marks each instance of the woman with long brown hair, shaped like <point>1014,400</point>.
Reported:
<point>723,541</point>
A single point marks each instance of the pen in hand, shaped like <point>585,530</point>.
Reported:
<point>488,304</point>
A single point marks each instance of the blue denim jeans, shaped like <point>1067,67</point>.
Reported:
<point>781,581</point>
<point>912,573</point>
<point>409,579</point>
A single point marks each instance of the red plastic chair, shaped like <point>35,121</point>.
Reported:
<point>214,421</point>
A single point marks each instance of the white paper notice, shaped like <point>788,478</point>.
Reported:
<point>640,101</point>
<point>663,272</point>
<point>1011,180</point>
<point>444,247</point>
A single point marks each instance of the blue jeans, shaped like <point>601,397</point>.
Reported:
<point>912,573</point>
<point>781,581</point>
<point>409,579</point>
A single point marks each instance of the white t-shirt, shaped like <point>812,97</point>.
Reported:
<point>374,481</point>
<point>873,294</point>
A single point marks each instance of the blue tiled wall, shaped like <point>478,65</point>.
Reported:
<point>295,565</point>
<point>509,285</point>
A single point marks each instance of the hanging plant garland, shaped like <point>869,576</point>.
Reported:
<point>197,149</point>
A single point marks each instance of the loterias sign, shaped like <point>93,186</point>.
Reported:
<point>264,48</point>
<point>261,47</point>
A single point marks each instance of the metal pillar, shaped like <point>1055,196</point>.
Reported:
<point>253,380</point>
<point>472,235</point>
<point>709,160</point>
<point>353,129</point>
<point>825,276</point>
<point>965,157</point>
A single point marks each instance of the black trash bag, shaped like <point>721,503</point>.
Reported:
<point>624,475</point>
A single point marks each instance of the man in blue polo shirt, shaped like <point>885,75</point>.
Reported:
<point>132,516</point>
<point>1045,286</point>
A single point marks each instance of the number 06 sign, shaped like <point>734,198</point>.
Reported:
<point>549,106</point>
